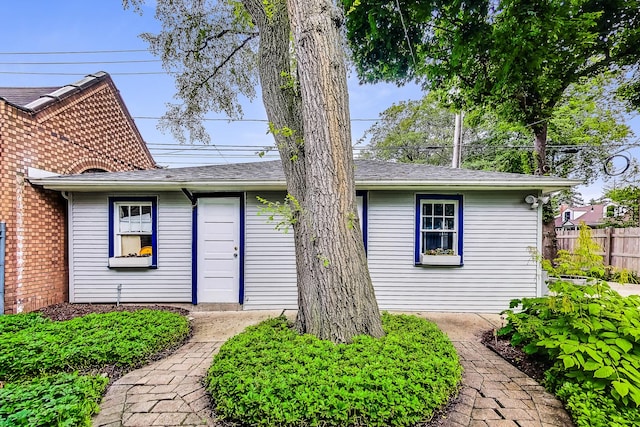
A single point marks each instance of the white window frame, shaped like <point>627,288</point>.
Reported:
<point>117,260</point>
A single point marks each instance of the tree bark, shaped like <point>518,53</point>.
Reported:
<point>549,239</point>
<point>336,300</point>
<point>540,148</point>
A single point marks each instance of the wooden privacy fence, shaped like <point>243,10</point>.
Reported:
<point>621,246</point>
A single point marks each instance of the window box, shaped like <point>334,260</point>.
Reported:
<point>439,259</point>
<point>130,262</point>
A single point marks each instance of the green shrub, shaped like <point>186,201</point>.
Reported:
<point>58,400</point>
<point>589,332</point>
<point>591,336</point>
<point>270,375</point>
<point>590,406</point>
<point>16,322</point>
<point>92,341</point>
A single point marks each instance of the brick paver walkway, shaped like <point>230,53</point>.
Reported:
<point>170,392</point>
<point>166,393</point>
<point>496,394</point>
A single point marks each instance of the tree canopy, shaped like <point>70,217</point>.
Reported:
<point>628,201</point>
<point>517,57</point>
<point>586,127</point>
<point>418,131</point>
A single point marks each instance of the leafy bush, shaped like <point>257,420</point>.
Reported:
<point>38,356</point>
<point>589,331</point>
<point>270,375</point>
<point>592,406</point>
<point>92,341</point>
<point>17,322</point>
<point>591,335</point>
<point>58,400</point>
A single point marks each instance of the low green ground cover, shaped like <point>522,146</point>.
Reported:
<point>591,337</point>
<point>270,375</point>
<point>40,360</point>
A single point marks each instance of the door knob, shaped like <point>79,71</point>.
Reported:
<point>235,255</point>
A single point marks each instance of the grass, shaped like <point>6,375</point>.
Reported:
<point>49,371</point>
<point>270,375</point>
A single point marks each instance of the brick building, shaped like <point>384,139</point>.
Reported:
<point>80,127</point>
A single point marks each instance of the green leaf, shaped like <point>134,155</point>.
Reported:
<point>594,354</point>
<point>591,366</point>
<point>622,387</point>
<point>569,361</point>
<point>604,372</point>
<point>614,354</point>
<point>569,348</point>
<point>625,345</point>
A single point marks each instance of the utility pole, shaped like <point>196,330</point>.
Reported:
<point>457,142</point>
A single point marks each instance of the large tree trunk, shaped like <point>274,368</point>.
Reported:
<point>549,240</point>
<point>336,300</point>
<point>540,148</point>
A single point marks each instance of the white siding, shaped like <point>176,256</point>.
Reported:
<point>92,281</point>
<point>270,264</point>
<point>499,230</point>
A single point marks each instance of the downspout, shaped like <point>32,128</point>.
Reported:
<point>67,196</point>
<point>3,239</point>
<point>541,287</point>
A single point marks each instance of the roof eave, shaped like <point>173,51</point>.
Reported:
<point>545,187</point>
<point>87,186</point>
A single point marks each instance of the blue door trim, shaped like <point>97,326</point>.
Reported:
<point>365,219</point>
<point>194,243</point>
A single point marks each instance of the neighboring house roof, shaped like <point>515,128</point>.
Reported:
<point>35,99</point>
<point>369,174</point>
<point>591,215</point>
<point>22,96</point>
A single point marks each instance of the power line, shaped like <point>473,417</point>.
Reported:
<point>220,119</point>
<point>131,61</point>
<point>82,52</point>
<point>208,119</point>
<point>79,74</point>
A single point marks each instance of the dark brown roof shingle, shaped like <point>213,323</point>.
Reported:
<point>34,99</point>
<point>21,96</point>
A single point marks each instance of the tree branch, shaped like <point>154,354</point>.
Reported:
<point>205,42</point>
<point>224,62</point>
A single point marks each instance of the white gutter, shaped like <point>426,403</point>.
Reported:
<point>86,186</point>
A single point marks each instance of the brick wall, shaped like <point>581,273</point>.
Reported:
<point>91,129</point>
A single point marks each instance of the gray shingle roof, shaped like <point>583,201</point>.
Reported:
<point>21,96</point>
<point>367,172</point>
<point>34,99</point>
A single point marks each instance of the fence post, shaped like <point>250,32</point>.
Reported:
<point>607,245</point>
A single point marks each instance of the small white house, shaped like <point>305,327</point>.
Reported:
<point>437,239</point>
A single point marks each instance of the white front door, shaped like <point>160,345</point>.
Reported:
<point>218,250</point>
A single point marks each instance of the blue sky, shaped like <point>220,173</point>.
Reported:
<point>100,25</point>
<point>103,25</point>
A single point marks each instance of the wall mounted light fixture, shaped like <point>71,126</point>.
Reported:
<point>535,201</point>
